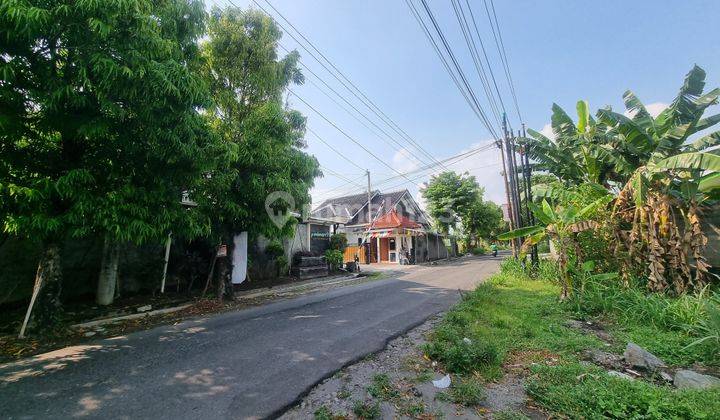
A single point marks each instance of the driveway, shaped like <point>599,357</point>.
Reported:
<point>253,363</point>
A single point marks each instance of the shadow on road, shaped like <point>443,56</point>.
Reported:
<point>250,363</point>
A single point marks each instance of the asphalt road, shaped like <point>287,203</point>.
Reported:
<point>253,363</point>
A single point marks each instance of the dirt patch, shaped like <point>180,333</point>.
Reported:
<point>397,383</point>
<point>592,327</point>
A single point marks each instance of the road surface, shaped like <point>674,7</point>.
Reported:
<point>253,363</point>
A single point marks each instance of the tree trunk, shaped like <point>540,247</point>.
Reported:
<point>564,275</point>
<point>225,287</point>
<point>108,272</point>
<point>46,291</point>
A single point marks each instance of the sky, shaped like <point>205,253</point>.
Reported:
<point>558,51</point>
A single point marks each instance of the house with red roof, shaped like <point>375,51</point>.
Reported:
<point>391,227</point>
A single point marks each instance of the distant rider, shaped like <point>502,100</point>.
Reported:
<point>493,248</point>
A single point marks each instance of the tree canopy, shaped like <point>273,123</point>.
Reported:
<point>457,198</point>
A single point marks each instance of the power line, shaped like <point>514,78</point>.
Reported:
<point>479,67</point>
<point>324,168</point>
<point>484,51</point>
<point>408,153</point>
<point>459,157</point>
<point>344,80</point>
<point>464,85</point>
<point>346,134</point>
<point>334,149</point>
<point>502,52</point>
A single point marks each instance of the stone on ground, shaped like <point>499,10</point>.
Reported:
<point>641,358</point>
<point>688,379</point>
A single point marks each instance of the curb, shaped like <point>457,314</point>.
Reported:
<point>131,316</point>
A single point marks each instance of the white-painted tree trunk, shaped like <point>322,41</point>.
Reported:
<point>108,272</point>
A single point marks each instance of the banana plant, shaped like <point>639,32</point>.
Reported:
<point>578,151</point>
<point>657,209</point>
<point>559,224</point>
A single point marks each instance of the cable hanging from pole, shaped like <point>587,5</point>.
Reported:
<point>342,78</point>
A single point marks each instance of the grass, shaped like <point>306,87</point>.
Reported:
<point>367,410</point>
<point>502,316</point>
<point>468,392</point>
<point>667,326</point>
<point>579,391</point>
<point>514,317</point>
<point>382,388</point>
<point>324,413</point>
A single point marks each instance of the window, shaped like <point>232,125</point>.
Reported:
<point>392,244</point>
<point>359,241</point>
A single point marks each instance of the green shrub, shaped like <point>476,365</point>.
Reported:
<point>334,259</point>
<point>367,410</point>
<point>274,249</point>
<point>467,392</point>
<point>382,388</point>
<point>479,250</point>
<point>282,264</point>
<point>459,356</point>
<point>323,413</point>
<point>682,329</point>
<point>338,241</point>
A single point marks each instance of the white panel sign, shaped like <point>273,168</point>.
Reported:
<point>239,258</point>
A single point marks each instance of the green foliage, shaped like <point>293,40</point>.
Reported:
<point>518,312</point>
<point>338,241</point>
<point>509,312</point>
<point>367,410</point>
<point>382,388</point>
<point>465,391</point>
<point>274,249</point>
<point>324,413</point>
<point>262,139</point>
<point>479,250</point>
<point>454,198</point>
<point>80,83</point>
<point>680,329</point>
<point>509,415</point>
<point>579,391</point>
<point>334,259</point>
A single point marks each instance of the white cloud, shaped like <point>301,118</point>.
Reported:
<point>547,131</point>
<point>654,109</point>
<point>403,161</point>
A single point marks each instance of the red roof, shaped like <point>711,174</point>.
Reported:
<point>394,220</point>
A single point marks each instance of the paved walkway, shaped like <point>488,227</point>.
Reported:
<point>253,363</point>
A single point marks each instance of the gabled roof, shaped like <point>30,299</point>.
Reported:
<point>381,204</point>
<point>342,208</point>
<point>392,220</point>
<point>352,209</point>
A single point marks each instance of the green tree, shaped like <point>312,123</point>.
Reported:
<point>99,129</point>
<point>263,139</point>
<point>483,219</point>
<point>449,196</point>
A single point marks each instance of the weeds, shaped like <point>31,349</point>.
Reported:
<point>324,413</point>
<point>382,387</point>
<point>468,392</point>
<point>367,410</point>
<point>578,391</point>
<point>509,415</point>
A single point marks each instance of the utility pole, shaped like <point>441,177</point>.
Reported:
<point>528,195</point>
<point>369,218</point>
<point>507,175</point>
